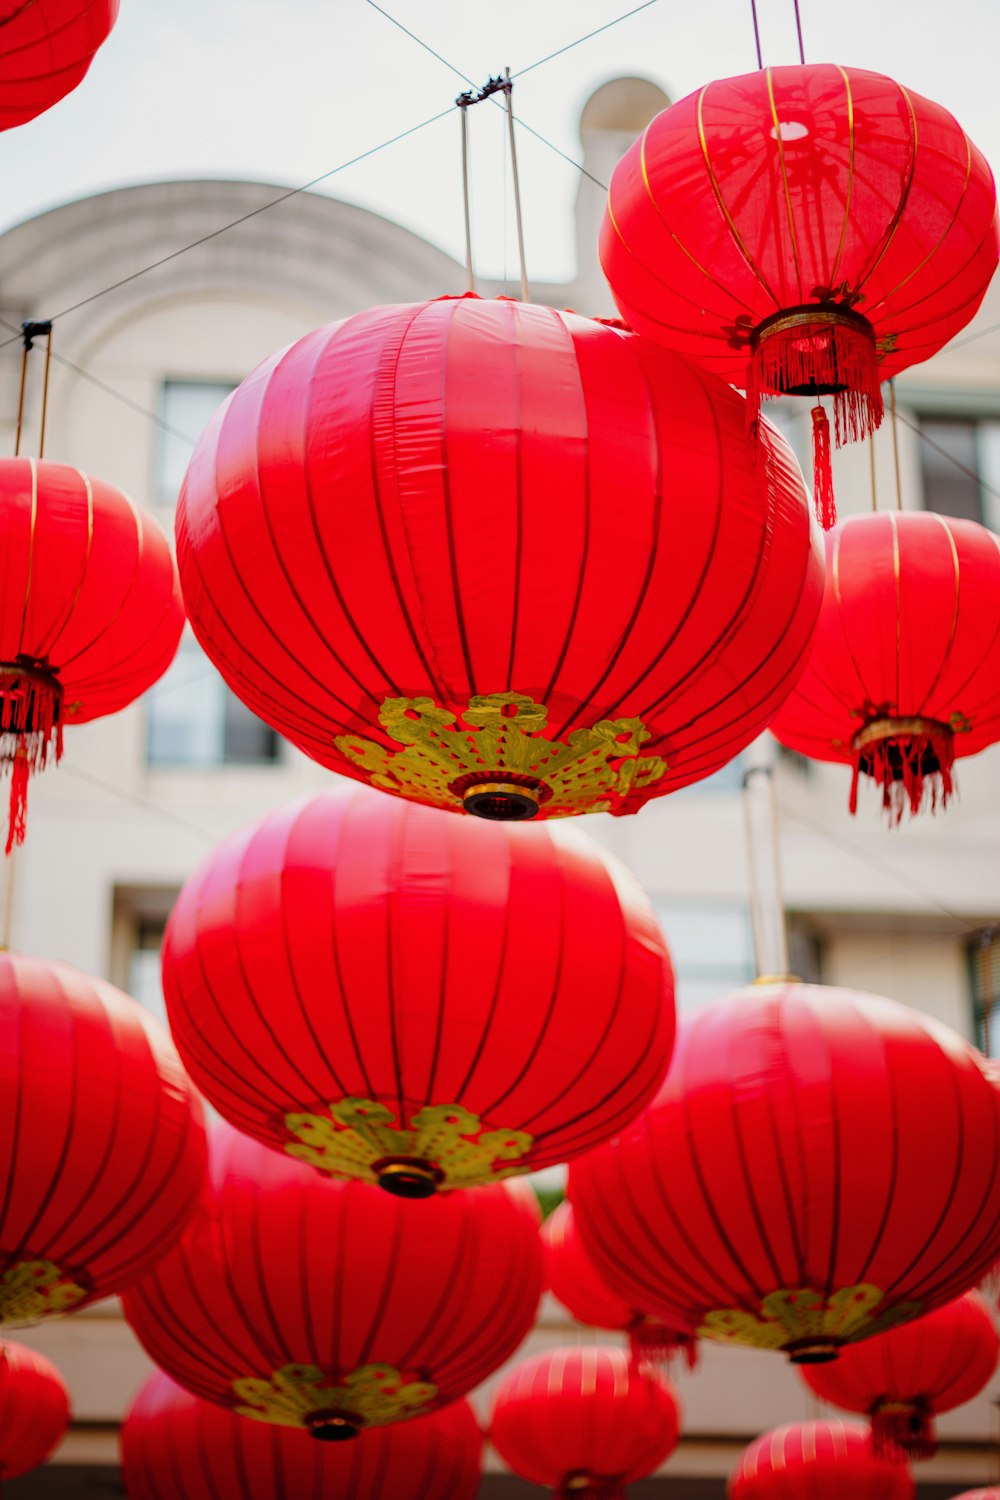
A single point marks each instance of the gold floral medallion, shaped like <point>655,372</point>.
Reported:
<point>494,760</point>
<point>31,1290</point>
<point>360,1138</point>
<point>801,1317</point>
<point>296,1395</point>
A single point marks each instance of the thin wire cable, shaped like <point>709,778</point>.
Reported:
<point>580,39</point>
<point>895,444</point>
<point>20,400</point>
<point>798,28</point>
<point>871,461</point>
<point>756,34</point>
<point>970,338</point>
<point>525,290</point>
<point>470,273</point>
<point>244,218</point>
<point>152,808</point>
<point>45,393</point>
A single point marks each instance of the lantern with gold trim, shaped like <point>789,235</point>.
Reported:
<point>330,1306</point>
<point>177,1447</point>
<point>421,1001</point>
<point>34,1409</point>
<point>804,231</point>
<point>819,1166</point>
<point>574,1280</point>
<point>90,611</point>
<point>46,48</point>
<point>499,558</point>
<point>905,1378</point>
<point>818,1461</point>
<point>583,1421</point>
<point>904,670</point>
<point>102,1147</point>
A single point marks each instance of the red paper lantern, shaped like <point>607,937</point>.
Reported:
<point>990,1494</point>
<point>819,1166</point>
<point>583,1421</point>
<point>101,1140</point>
<point>818,1461</point>
<point>803,230</point>
<point>497,557</point>
<point>576,1282</point>
<point>34,1410</point>
<point>46,48</point>
<point>903,673</point>
<point>333,1307</point>
<point>90,610</point>
<point>176,1447</point>
<point>905,1378</point>
<point>416,1000</point>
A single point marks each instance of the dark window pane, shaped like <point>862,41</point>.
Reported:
<point>247,738</point>
<point>946,488</point>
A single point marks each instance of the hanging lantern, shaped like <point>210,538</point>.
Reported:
<point>818,1461</point>
<point>905,1378</point>
<point>583,1421</point>
<point>819,1166</point>
<point>902,677</point>
<point>333,1307</point>
<point>574,1280</point>
<point>494,557</point>
<point>803,231</point>
<point>46,48</point>
<point>90,611</point>
<point>176,1447</point>
<point>989,1494</point>
<point>34,1410</point>
<point>424,1002</point>
<point>101,1140</point>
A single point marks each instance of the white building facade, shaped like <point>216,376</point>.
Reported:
<point>139,799</point>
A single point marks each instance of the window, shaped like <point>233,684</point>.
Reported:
<point>958,457</point>
<point>711,944</point>
<point>983,956</point>
<point>194,719</point>
<point>186,406</point>
<point>138,922</point>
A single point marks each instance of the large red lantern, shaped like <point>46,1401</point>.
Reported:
<point>498,558</point>
<point>90,610</point>
<point>583,1421</point>
<point>819,1166</point>
<point>46,47</point>
<point>102,1147</point>
<point>805,231</point>
<point>905,1378</point>
<point>576,1282</point>
<point>177,1447</point>
<point>34,1410</point>
<point>903,673</point>
<point>818,1461</point>
<point>331,1306</point>
<point>416,1000</point>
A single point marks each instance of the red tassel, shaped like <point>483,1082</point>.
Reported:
<point>818,350</point>
<point>655,1348</point>
<point>30,732</point>
<point>914,766</point>
<point>823,499</point>
<point>903,1430</point>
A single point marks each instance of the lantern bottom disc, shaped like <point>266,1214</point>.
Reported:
<point>332,1426</point>
<point>813,1351</point>
<point>501,801</point>
<point>407,1178</point>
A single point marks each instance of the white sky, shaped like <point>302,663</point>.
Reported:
<point>282,90</point>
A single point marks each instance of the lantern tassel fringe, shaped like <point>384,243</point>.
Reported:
<point>30,735</point>
<point>655,1349</point>
<point>903,1433</point>
<point>838,359</point>
<point>823,498</point>
<point>913,770</point>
